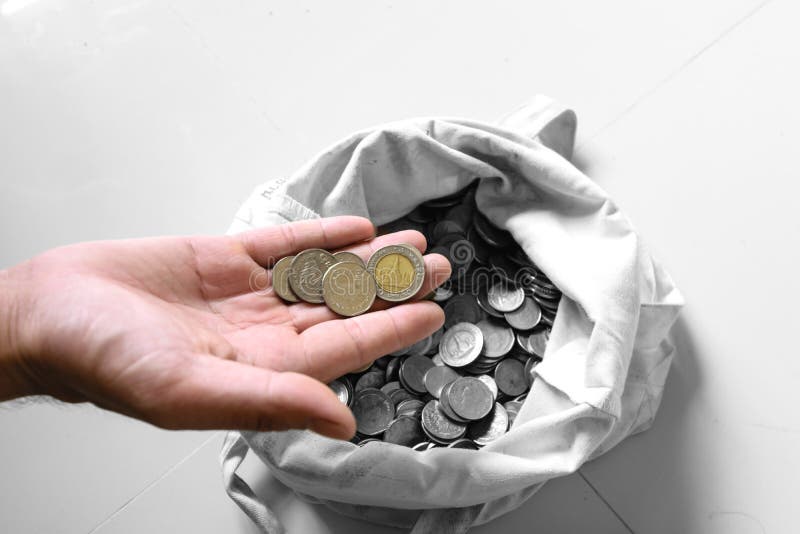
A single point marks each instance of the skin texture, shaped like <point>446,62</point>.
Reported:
<point>186,333</point>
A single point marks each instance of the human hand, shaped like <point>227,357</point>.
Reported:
<point>171,331</point>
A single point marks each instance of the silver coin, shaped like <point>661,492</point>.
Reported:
<point>498,339</point>
<point>491,427</point>
<point>436,337</point>
<point>422,446</point>
<point>436,424</point>
<point>420,347</point>
<point>461,345</point>
<point>537,343</point>
<point>306,272</point>
<point>464,443</point>
<point>442,293</point>
<point>412,407</point>
<point>404,430</point>
<point>437,360</point>
<point>444,405</point>
<point>344,255</point>
<point>399,395</point>
<point>373,411</point>
<point>393,369</point>
<point>373,379</point>
<point>529,372</point>
<point>461,309</point>
<point>341,391</point>
<point>482,299</point>
<point>388,387</point>
<point>490,383</point>
<point>490,233</point>
<point>368,440</point>
<point>512,409</point>
<point>438,377</point>
<point>526,316</point>
<point>412,373</point>
<point>470,398</point>
<point>510,377</point>
<point>504,297</point>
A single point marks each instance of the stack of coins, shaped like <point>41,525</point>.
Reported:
<point>344,282</point>
<point>463,386</point>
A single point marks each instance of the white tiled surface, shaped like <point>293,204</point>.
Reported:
<point>127,118</point>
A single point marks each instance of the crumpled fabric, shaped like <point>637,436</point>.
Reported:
<point>604,370</point>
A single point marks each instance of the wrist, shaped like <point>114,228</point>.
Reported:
<point>16,379</point>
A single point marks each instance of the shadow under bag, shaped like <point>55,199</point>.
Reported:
<point>602,375</point>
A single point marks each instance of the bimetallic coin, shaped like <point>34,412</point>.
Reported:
<point>437,425</point>
<point>341,391</point>
<point>526,316</point>
<point>461,345</point>
<point>438,377</point>
<point>505,298</point>
<point>280,279</point>
<point>510,377</point>
<point>470,398</point>
<point>490,427</point>
<point>498,339</point>
<point>344,255</point>
<point>348,289</point>
<point>307,270</point>
<point>398,272</point>
<point>373,410</point>
<point>404,430</point>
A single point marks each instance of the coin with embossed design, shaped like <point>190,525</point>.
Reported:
<point>348,288</point>
<point>307,270</point>
<point>399,272</point>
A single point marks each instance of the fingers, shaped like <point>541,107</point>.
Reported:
<point>222,394</point>
<point>437,271</point>
<point>267,245</point>
<point>333,348</point>
<point>411,237</point>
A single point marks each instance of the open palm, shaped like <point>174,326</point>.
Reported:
<point>185,332</point>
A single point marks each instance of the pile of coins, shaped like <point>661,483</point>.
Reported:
<point>463,386</point>
<point>344,282</point>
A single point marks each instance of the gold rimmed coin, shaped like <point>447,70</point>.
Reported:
<point>280,279</point>
<point>348,288</point>
<point>399,272</point>
<point>307,270</point>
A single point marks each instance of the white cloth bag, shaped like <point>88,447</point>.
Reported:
<point>604,370</point>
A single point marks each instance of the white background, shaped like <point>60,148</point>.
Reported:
<point>129,118</point>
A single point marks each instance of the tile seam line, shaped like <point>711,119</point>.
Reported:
<point>673,74</point>
<point>147,488</point>
<point>606,503</point>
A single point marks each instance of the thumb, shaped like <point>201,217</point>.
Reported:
<point>224,394</point>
